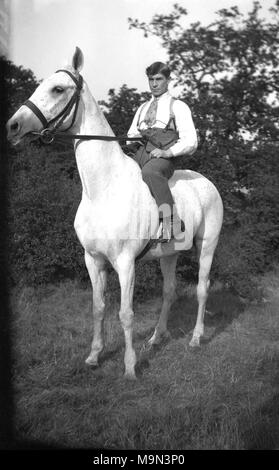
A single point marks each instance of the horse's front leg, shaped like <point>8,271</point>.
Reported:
<point>125,267</point>
<point>98,276</point>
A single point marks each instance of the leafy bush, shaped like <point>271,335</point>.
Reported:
<point>42,205</point>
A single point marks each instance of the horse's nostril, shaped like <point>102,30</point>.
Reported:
<point>15,126</point>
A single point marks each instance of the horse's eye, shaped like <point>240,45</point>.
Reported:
<point>58,89</point>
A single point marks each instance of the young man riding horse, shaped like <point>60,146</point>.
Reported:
<point>168,131</point>
<point>115,198</point>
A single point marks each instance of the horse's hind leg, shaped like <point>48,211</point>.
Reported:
<point>205,252</point>
<point>98,276</point>
<point>168,266</point>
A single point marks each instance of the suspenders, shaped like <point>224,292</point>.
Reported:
<point>171,118</point>
<point>139,118</point>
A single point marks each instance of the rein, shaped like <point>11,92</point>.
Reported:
<point>48,134</point>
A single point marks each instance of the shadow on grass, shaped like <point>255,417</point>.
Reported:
<point>108,354</point>
<point>224,307</point>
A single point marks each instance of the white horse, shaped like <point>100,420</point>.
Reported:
<point>115,217</point>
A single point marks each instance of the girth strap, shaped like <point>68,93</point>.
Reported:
<point>147,247</point>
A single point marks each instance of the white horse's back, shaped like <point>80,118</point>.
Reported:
<point>197,198</point>
<point>194,186</point>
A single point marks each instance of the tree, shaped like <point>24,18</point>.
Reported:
<point>121,107</point>
<point>20,83</point>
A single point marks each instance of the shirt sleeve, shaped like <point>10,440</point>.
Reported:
<point>187,142</point>
<point>133,131</point>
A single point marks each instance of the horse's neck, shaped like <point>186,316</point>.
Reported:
<point>98,161</point>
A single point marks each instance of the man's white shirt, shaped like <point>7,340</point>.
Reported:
<point>187,141</point>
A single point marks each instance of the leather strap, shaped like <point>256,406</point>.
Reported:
<point>78,81</point>
<point>37,112</point>
<point>74,101</point>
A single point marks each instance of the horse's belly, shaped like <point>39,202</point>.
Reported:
<point>107,231</point>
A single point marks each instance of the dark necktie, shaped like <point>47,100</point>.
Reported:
<point>150,117</point>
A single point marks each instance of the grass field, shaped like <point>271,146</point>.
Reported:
<point>225,395</point>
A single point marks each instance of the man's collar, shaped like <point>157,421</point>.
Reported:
<point>164,95</point>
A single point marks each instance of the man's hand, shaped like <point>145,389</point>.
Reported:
<point>158,153</point>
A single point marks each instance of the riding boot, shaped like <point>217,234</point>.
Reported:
<point>178,225</point>
<point>170,227</point>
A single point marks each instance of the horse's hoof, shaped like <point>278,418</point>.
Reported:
<point>92,363</point>
<point>194,343</point>
<point>130,376</point>
<point>157,340</point>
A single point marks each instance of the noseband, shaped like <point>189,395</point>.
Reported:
<point>47,134</point>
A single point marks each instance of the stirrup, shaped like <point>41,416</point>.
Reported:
<point>171,234</point>
<point>182,226</point>
<point>160,238</point>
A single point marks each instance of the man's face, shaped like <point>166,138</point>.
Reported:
<point>158,84</point>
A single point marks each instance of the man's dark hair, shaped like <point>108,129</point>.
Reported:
<point>158,67</point>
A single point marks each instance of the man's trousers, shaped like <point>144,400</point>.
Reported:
<point>156,173</point>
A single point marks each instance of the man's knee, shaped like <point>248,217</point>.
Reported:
<point>148,174</point>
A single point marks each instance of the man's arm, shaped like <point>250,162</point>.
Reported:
<point>188,141</point>
<point>133,131</point>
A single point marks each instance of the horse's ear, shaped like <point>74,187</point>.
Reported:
<point>77,61</point>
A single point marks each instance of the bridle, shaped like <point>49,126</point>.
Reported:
<point>50,128</point>
<point>48,133</point>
